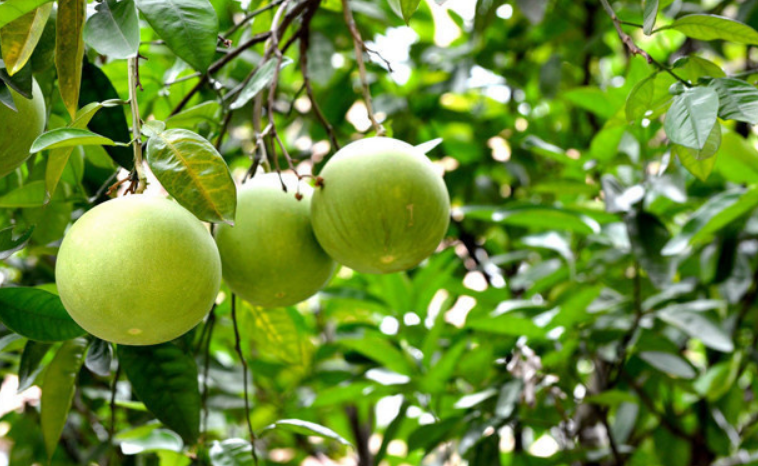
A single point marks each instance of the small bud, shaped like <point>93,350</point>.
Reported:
<point>298,196</point>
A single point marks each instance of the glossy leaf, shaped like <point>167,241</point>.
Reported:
<point>275,334</point>
<point>713,27</point>
<point>231,452</point>
<point>738,100</point>
<point>508,324</point>
<point>691,118</point>
<point>207,112</point>
<point>696,325</point>
<point>68,137</point>
<point>110,121</point>
<point>669,363</point>
<point>298,426</point>
<point>58,390</point>
<point>21,81</point>
<point>29,195</point>
<point>194,173</point>
<point>19,37</point>
<point>28,366</point>
<point>99,358</point>
<point>10,243</point>
<point>189,27</point>
<point>69,51</point>
<point>649,15</point>
<point>37,315</point>
<point>165,379</point>
<point>10,10</point>
<point>114,29</point>
<point>700,162</point>
<point>260,80</point>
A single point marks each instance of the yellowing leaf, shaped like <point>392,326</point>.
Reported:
<point>21,36</point>
<point>69,50</point>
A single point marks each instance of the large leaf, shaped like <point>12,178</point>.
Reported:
<point>696,325</point>
<point>10,10</point>
<point>260,80</point>
<point>68,137</point>
<point>275,334</point>
<point>700,162</point>
<point>649,15</point>
<point>648,235</point>
<point>110,121</point>
<point>231,452</point>
<point>99,358</point>
<point>192,170</point>
<point>536,216</point>
<point>37,315</point>
<point>114,29</point>
<point>21,81</point>
<point>189,27</point>
<point>381,351</point>
<point>19,38</point>
<point>31,194</point>
<point>305,428</point>
<point>69,50</point>
<point>713,27</point>
<point>9,243</point>
<point>58,390</point>
<point>165,379</point>
<point>206,112</point>
<point>640,99</point>
<point>669,363</point>
<point>692,116</point>
<point>738,100</point>
<point>509,325</point>
<point>737,159</point>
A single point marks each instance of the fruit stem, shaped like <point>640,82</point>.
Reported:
<point>133,70</point>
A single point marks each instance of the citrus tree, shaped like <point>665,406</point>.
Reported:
<point>223,241</point>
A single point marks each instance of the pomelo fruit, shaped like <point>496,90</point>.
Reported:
<point>138,270</point>
<point>382,207</point>
<point>20,129</point>
<point>270,257</point>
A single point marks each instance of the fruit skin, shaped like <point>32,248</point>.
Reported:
<point>138,271</point>
<point>20,129</point>
<point>270,256</point>
<point>382,207</point>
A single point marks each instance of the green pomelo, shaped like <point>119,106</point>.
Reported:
<point>382,207</point>
<point>138,271</point>
<point>270,256</point>
<point>20,129</point>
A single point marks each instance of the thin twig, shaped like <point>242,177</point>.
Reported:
<point>360,47</point>
<point>210,323</point>
<point>250,16</point>
<point>114,386</point>
<point>238,349</point>
<point>133,69</point>
<point>633,48</point>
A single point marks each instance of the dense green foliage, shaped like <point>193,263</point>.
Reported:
<point>593,301</point>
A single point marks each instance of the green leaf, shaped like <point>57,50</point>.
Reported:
<point>194,173</point>
<point>611,398</point>
<point>738,100</point>
<point>434,380</point>
<point>28,367</point>
<point>719,379</point>
<point>737,159</point>
<point>231,452</point>
<point>693,68</point>
<point>508,324</point>
<point>69,50</point>
<point>149,438</point>
<point>535,216</point>
<point>274,333</point>
<point>29,195</point>
<point>716,213</point>
<point>429,435</point>
<point>10,243</point>
<point>206,112</point>
<point>640,98</point>
<point>669,363</point>
<point>381,351</point>
<point>165,379</point>
<point>648,235</point>
<point>700,162</point>
<point>189,27</point>
<point>19,37</point>
<point>114,29</point>
<point>20,82</point>
<point>649,15</point>
<point>10,10</point>
<point>37,315</point>
<point>408,7</point>
<point>58,390</point>
<point>698,326</point>
<point>691,118</point>
<point>260,80</point>
<point>301,427</point>
<point>110,121</point>
<point>713,27</point>
<point>99,358</point>
<point>68,137</point>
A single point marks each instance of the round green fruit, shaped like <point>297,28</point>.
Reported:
<point>270,257</point>
<point>20,128</point>
<point>382,208</point>
<point>138,271</point>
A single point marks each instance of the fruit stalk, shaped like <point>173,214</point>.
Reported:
<point>133,70</point>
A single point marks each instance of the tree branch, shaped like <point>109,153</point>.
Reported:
<point>133,70</point>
